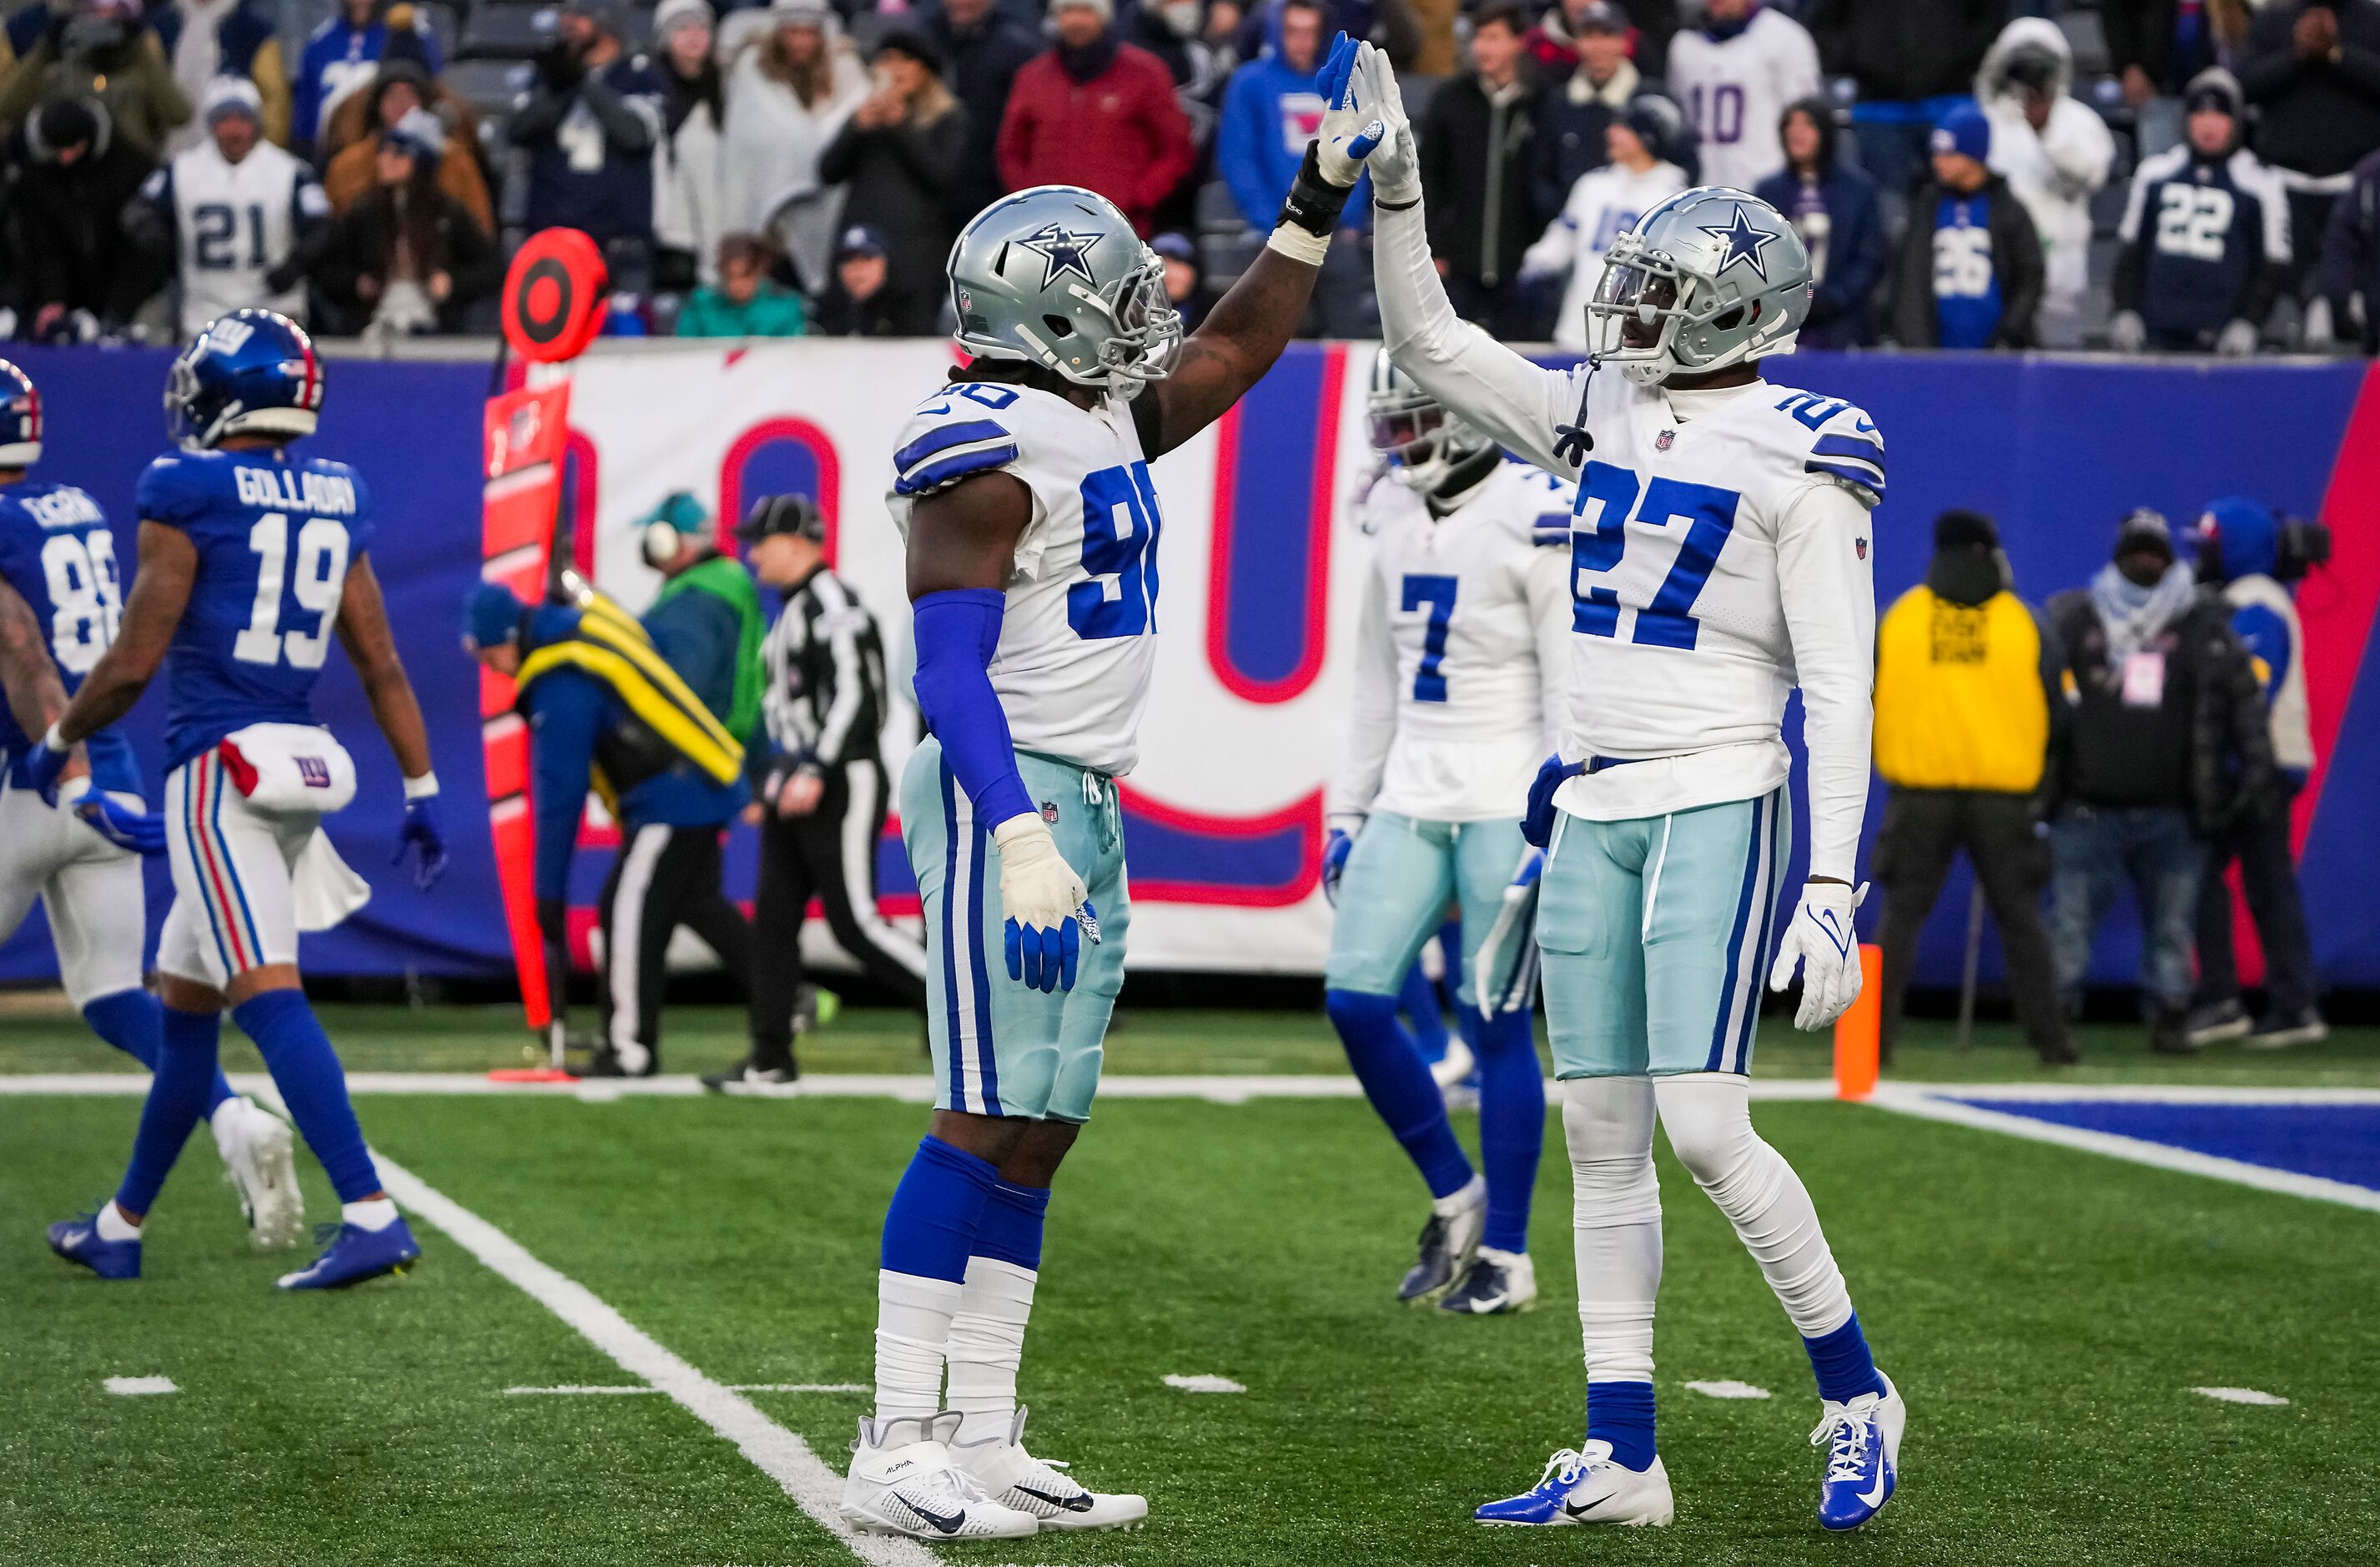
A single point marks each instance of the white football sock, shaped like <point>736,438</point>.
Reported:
<point>1708,1117</point>
<point>373,1213</point>
<point>1471,1194</point>
<point>913,1323</point>
<point>113,1226</point>
<point>1616,1210</point>
<point>987,1344</point>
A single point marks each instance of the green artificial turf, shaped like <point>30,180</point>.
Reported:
<point>2044,1311</point>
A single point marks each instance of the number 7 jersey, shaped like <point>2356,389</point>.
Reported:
<point>275,537</point>
<point>1078,634</point>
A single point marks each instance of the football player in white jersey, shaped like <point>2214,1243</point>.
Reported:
<point>232,213</point>
<point>1735,74</point>
<point>1460,652</point>
<point>1023,490</point>
<point>1605,204</point>
<point>1719,557</point>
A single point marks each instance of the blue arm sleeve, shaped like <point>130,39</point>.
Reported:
<point>566,715</point>
<point>957,632</point>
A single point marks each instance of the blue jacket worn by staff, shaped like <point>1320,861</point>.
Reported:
<point>1269,113</point>
<point>2238,544</point>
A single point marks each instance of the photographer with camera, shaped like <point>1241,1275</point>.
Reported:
<point>98,50</point>
<point>2254,559</point>
<point>589,126</point>
<point>2055,153</point>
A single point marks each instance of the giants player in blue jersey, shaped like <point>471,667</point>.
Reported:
<point>250,559</point>
<point>60,599</point>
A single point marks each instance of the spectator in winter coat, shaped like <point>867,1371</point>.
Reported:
<point>2156,48</point>
<point>2166,743</point>
<point>1186,287</point>
<point>2351,264</point>
<point>1969,274</point>
<point>897,155</point>
<point>2055,153</point>
<point>857,305</point>
<point>76,273</point>
<point>343,56</point>
<point>1477,138</point>
<point>1734,75</point>
<point>1573,117</point>
<point>97,51</point>
<point>401,87</point>
<point>982,49</point>
<point>2206,237</point>
<point>1910,59</point>
<point>686,179</point>
<point>1605,204</point>
<point>2313,69</point>
<point>788,92</point>
<point>745,302</point>
<point>1271,111</point>
<point>589,126</point>
<point>1834,208</point>
<point>2237,544</point>
<point>206,39</point>
<point>1097,113</point>
<point>407,259</point>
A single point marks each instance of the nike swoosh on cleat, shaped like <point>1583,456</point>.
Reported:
<point>1575,1511</point>
<point>1876,1497</point>
<point>946,1523</point>
<point>1081,1503</point>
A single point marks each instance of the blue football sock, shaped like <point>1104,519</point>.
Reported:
<point>178,1097</point>
<point>313,1083</point>
<point>133,1022</point>
<point>1511,1124</point>
<point>1622,1413</point>
<point>1418,1002</point>
<point>1011,1229</point>
<point>1397,1081</point>
<point>929,1230</point>
<point>1845,1367</point>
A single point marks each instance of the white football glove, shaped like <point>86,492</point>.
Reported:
<point>1351,126</point>
<point>2127,332</point>
<point>1043,900</point>
<point>1396,162</point>
<point>2237,340</point>
<point>1822,940</point>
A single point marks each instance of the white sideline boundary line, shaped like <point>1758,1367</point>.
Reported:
<point>1936,1103</point>
<point>774,1450</point>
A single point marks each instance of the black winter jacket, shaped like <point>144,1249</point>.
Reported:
<point>2016,260</point>
<point>1906,49</point>
<point>1475,171</point>
<point>2318,117</point>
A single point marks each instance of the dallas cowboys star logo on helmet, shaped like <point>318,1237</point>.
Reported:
<point>1062,250</point>
<point>1744,241</point>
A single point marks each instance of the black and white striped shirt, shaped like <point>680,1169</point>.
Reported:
<point>825,701</point>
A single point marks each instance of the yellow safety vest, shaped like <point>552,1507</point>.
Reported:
<point>1959,701</point>
<point>611,647</point>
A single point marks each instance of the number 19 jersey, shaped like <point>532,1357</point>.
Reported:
<point>275,537</point>
<point>1078,636</point>
<point>56,552</point>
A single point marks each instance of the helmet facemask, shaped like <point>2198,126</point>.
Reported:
<point>1649,315</point>
<point>1419,439</point>
<point>1144,341</point>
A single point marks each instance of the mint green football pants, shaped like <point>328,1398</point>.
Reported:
<point>1392,896</point>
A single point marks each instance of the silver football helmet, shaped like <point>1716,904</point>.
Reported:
<point>1419,437</point>
<point>1709,278</point>
<point>1056,276</point>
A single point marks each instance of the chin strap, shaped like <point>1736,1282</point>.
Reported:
<point>1573,442</point>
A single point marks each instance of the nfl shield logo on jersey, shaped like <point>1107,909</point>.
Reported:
<point>1664,441</point>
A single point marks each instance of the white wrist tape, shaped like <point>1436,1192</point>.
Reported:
<point>1298,245</point>
<point>422,788</point>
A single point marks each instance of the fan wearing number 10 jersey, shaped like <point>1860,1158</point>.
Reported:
<point>1719,557</point>
<point>252,561</point>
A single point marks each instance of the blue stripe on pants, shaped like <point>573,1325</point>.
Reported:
<point>1718,1045</point>
<point>1759,960</point>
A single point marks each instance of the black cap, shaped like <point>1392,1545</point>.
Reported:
<point>1602,16</point>
<point>772,515</point>
<point>915,44</point>
<point>1962,529</point>
<point>860,239</point>
<point>2145,532</point>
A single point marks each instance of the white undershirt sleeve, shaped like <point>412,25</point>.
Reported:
<point>1826,578</point>
<point>1372,723</point>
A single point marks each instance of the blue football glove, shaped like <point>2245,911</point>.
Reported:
<point>1335,850</point>
<point>421,837</point>
<point>122,825</point>
<point>1047,915</point>
<point>1537,823</point>
<point>42,768</point>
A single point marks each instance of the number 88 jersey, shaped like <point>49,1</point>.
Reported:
<point>275,539</point>
<point>1078,634</point>
<point>57,552</point>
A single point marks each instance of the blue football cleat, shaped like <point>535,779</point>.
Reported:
<point>355,1254</point>
<point>79,1241</point>
<point>1862,1443</point>
<point>1588,1488</point>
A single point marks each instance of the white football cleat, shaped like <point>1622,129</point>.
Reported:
<point>1448,1243</point>
<point>902,1482</point>
<point>1013,1477</point>
<point>1498,1283</point>
<point>259,1157</point>
<point>1587,1486</point>
<point>1862,1443</point>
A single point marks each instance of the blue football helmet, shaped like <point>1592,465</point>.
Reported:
<point>253,371</point>
<point>20,418</point>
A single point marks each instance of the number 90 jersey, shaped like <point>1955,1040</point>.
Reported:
<point>56,552</point>
<point>275,539</point>
<point>1078,634</point>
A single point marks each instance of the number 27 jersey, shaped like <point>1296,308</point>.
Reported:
<point>1078,634</point>
<point>275,537</point>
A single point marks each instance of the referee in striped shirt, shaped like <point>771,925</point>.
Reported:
<point>821,785</point>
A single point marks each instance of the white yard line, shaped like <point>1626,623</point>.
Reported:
<point>581,1388</point>
<point>777,1453</point>
<point>1936,1103</point>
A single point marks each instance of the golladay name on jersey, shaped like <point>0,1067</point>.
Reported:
<point>296,489</point>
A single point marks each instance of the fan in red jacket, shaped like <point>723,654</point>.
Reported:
<point>1097,113</point>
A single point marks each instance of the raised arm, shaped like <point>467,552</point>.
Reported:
<point>169,563</point>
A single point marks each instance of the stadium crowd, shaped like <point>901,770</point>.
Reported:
<point>2183,174</point>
